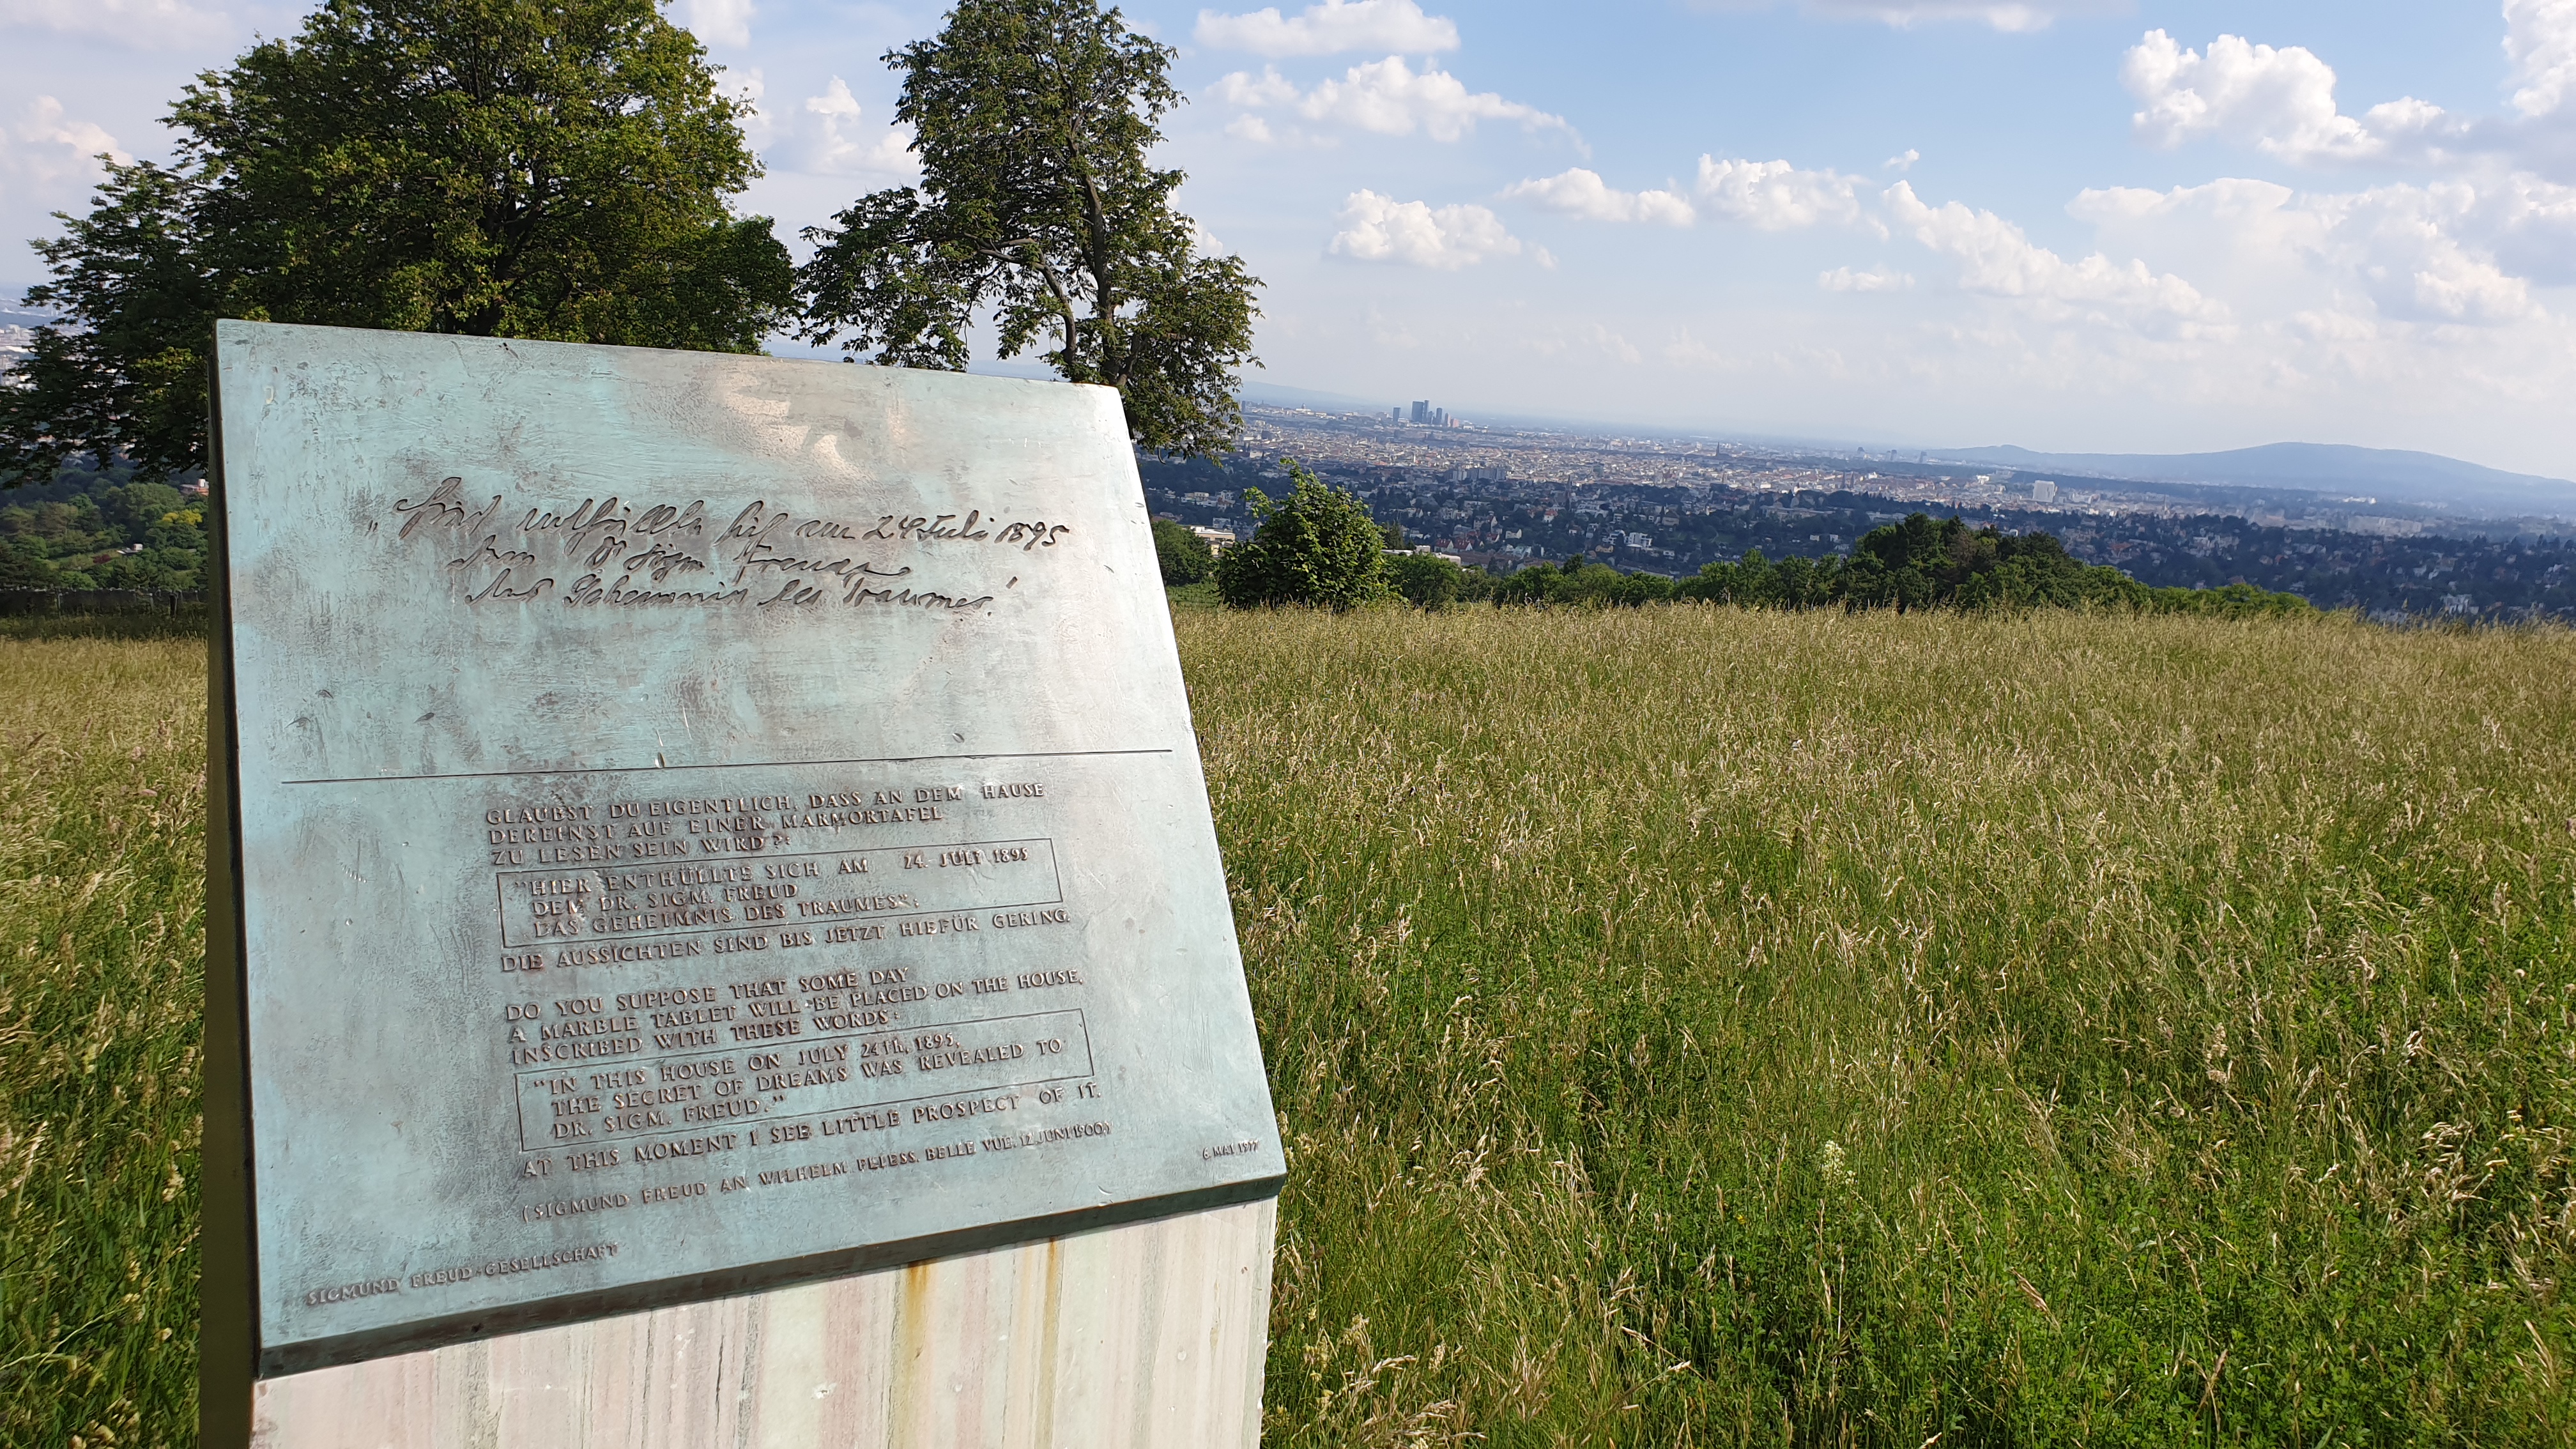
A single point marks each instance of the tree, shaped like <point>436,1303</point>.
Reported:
<point>127,376</point>
<point>22,567</point>
<point>496,168</point>
<point>1582,581</point>
<point>1036,204</point>
<point>1426,579</point>
<point>1923,563</point>
<point>1317,546</point>
<point>1185,557</point>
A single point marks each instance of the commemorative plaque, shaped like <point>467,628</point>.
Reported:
<point>688,824</point>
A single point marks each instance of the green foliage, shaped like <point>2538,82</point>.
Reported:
<point>514,168</point>
<point>1920,563</point>
<point>1688,1027</point>
<point>1315,547</point>
<point>23,567</point>
<point>86,531</point>
<point>1032,119</point>
<point>126,376</point>
<point>137,508</point>
<point>1432,582</point>
<point>1198,597</point>
<point>1699,1027</point>
<point>1424,579</point>
<point>1185,557</point>
<point>2228,601</point>
<point>1581,581</point>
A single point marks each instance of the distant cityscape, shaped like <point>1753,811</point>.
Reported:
<point>1501,499</point>
<point>1424,415</point>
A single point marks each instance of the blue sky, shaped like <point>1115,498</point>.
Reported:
<point>2070,224</point>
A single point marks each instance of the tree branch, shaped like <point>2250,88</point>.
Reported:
<point>1099,255</point>
<point>1063,302</point>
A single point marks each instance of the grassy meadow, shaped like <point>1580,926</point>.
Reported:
<point>1689,1026</point>
<point>102,951</point>
<point>1697,1026</point>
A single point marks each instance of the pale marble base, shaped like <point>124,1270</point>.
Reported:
<point>1151,1334</point>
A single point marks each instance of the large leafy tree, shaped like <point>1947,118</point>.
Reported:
<point>514,168</point>
<point>1038,209</point>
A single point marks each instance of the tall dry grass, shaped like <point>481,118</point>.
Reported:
<point>102,955</point>
<point>1688,1027</point>
<point>1707,1027</point>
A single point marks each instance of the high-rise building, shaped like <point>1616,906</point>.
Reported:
<point>1422,410</point>
<point>1397,412</point>
<point>2043,491</point>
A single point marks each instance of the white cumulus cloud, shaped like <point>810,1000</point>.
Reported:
<point>1241,88</point>
<point>2250,237</point>
<point>2008,15</point>
<point>2422,253</point>
<point>1998,259</point>
<point>1776,196</point>
<point>2452,252</point>
<point>830,138</point>
<point>1387,97</point>
<point>2531,227</point>
<point>1877,279</point>
<point>2280,100</point>
<point>2463,250</point>
<point>2540,40</point>
<point>138,24</point>
<point>718,22</point>
<point>1581,192</point>
<point>1379,228</point>
<point>1331,28</point>
<point>1995,258</point>
<point>49,153</point>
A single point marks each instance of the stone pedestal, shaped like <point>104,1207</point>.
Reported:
<point>1150,1334</point>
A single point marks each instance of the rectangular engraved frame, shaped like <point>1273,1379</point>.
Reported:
<point>844,895</point>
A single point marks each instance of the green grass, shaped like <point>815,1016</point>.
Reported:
<point>102,952</point>
<point>189,624</point>
<point>1688,1026</point>
<point>1714,1027</point>
<point>1199,597</point>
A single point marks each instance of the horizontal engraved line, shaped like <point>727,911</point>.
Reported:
<point>746,765</point>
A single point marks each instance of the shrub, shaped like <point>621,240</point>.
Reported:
<point>1185,557</point>
<point>1317,546</point>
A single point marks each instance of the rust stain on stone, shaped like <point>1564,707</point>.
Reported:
<point>911,1352</point>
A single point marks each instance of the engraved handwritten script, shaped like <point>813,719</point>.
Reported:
<point>617,553</point>
<point>675,857</point>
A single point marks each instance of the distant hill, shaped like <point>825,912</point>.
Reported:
<point>2384,473</point>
